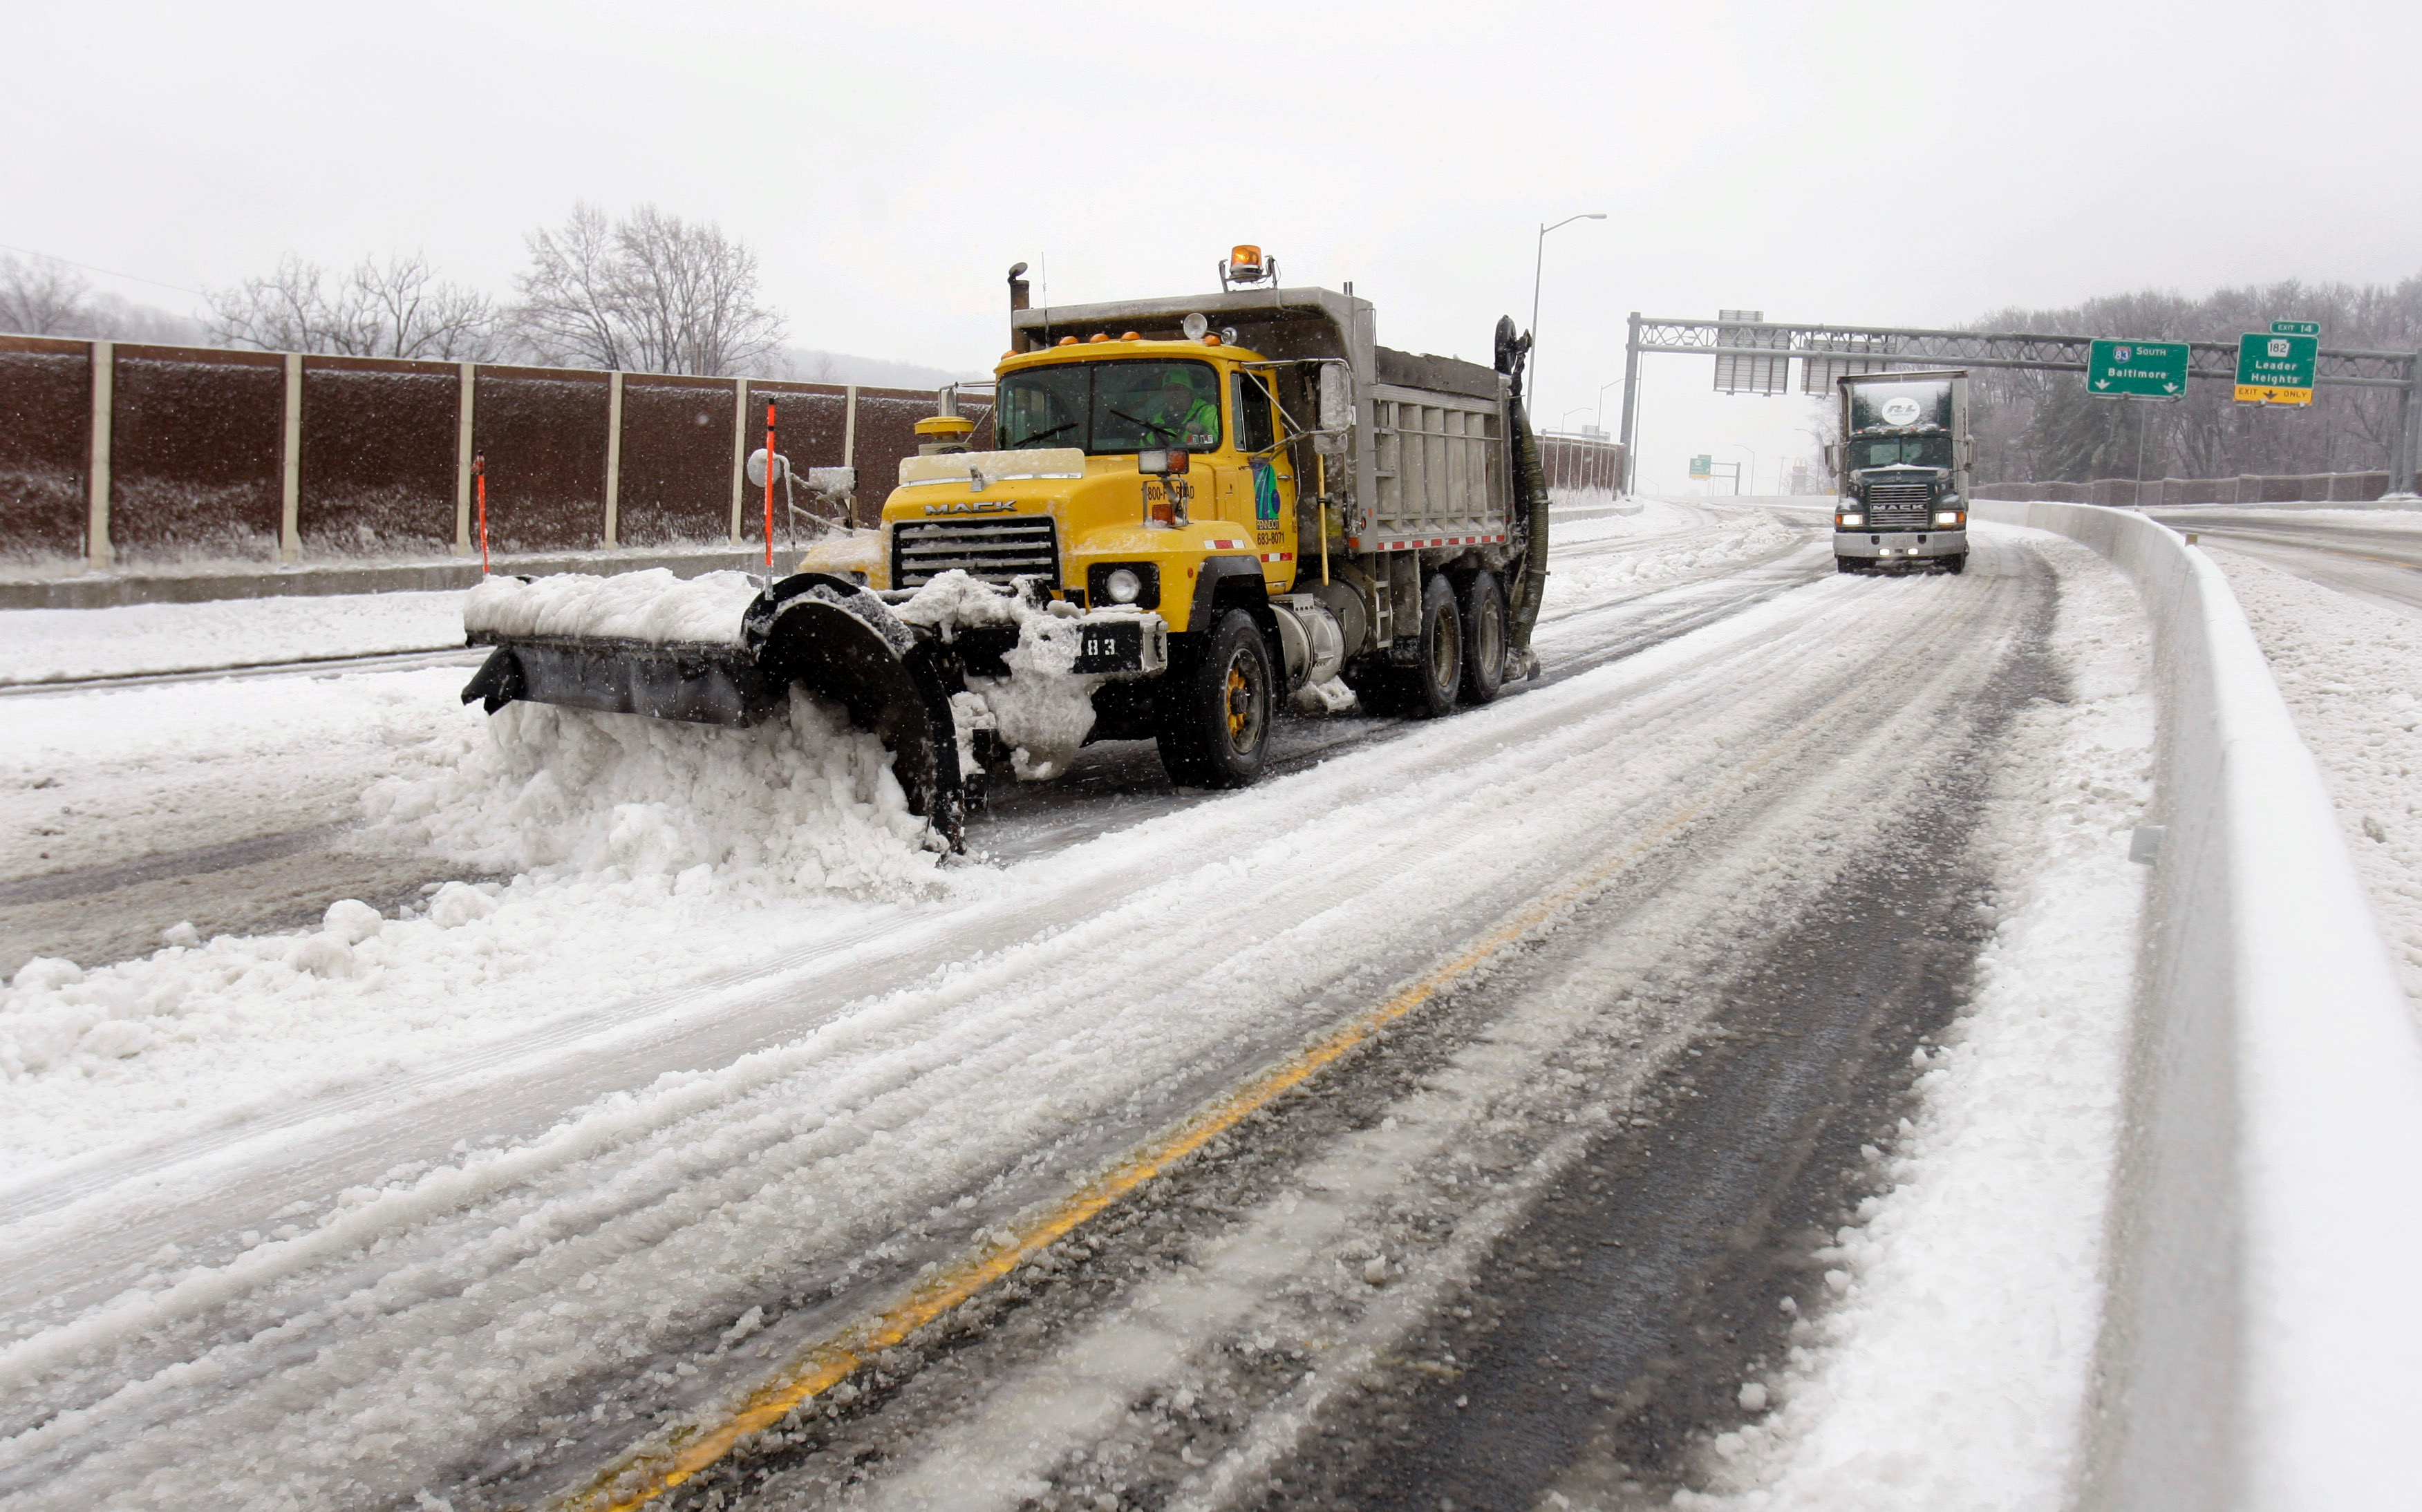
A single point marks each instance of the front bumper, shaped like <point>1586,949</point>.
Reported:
<point>1900,545</point>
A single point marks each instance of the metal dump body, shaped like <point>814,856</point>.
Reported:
<point>1419,459</point>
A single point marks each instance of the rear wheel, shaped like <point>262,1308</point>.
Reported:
<point>1436,673</point>
<point>1216,725</point>
<point>1482,605</point>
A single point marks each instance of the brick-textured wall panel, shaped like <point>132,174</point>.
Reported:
<point>45,445</point>
<point>195,469</point>
<point>379,440</point>
<point>886,431</point>
<point>542,431</point>
<point>676,483</point>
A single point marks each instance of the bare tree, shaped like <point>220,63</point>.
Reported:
<point>570,297</point>
<point>283,312</point>
<point>408,311</point>
<point>41,296</point>
<point>401,309</point>
<point>650,293</point>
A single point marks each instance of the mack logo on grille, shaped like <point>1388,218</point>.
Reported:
<point>993,550</point>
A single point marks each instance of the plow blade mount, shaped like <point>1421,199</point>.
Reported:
<point>822,633</point>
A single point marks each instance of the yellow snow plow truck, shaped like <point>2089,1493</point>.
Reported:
<point>1197,510</point>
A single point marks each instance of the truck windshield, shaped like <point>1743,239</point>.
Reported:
<point>1924,451</point>
<point>1104,407</point>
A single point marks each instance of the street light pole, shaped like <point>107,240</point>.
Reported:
<point>1538,266</point>
<point>1601,402</point>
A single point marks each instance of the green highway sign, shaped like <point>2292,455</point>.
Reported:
<point>2276,369</point>
<point>2296,328</point>
<point>2137,369</point>
<point>1702,467</point>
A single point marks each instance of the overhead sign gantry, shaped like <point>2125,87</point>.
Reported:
<point>1826,351</point>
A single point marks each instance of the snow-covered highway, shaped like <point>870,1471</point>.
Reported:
<point>483,1194</point>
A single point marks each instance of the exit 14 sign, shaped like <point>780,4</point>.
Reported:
<point>2137,369</point>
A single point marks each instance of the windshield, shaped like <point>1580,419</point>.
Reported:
<point>1103,407</point>
<point>1925,451</point>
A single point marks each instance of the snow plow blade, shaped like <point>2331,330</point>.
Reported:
<point>819,633</point>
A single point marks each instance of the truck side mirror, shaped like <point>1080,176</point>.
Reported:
<point>1336,409</point>
<point>1832,457</point>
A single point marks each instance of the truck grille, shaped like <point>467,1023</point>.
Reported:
<point>993,550</point>
<point>1899,503</point>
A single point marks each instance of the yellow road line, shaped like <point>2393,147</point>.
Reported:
<point>642,1475</point>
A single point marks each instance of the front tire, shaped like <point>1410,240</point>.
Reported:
<point>1216,725</point>
<point>1956,564</point>
<point>1846,564</point>
<point>1482,605</point>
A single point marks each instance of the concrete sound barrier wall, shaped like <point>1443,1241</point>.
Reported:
<point>2262,1333</point>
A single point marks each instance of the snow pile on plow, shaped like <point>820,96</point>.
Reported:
<point>653,606</point>
<point>797,805</point>
<point>1044,709</point>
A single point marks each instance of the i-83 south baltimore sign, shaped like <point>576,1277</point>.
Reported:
<point>2137,369</point>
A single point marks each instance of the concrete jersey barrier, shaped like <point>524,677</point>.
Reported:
<point>2260,1334</point>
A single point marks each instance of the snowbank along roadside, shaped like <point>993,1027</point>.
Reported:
<point>60,644</point>
<point>2351,673</point>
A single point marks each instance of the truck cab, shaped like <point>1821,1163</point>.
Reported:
<point>1124,469</point>
<point>1902,465</point>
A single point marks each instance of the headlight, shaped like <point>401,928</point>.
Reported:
<point>1946,517</point>
<point>1850,520</point>
<point>1122,584</point>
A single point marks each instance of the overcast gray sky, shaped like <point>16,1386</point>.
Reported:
<point>1887,163</point>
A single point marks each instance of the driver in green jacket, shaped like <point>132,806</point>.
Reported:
<point>1186,416</point>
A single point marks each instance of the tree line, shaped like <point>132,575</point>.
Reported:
<point>644,292</point>
<point>2045,427</point>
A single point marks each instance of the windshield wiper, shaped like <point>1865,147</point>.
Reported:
<point>1029,441</point>
<point>1169,430</point>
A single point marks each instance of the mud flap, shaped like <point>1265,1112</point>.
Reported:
<point>835,639</point>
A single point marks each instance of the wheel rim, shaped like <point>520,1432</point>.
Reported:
<point>1445,653</point>
<point>1244,707</point>
<point>1491,638</point>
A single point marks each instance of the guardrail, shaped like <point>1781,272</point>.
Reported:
<point>2259,1336</point>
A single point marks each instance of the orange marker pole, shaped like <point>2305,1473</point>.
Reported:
<point>769,488</point>
<point>479,474</point>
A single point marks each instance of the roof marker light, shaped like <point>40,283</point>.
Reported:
<point>1068,341</point>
